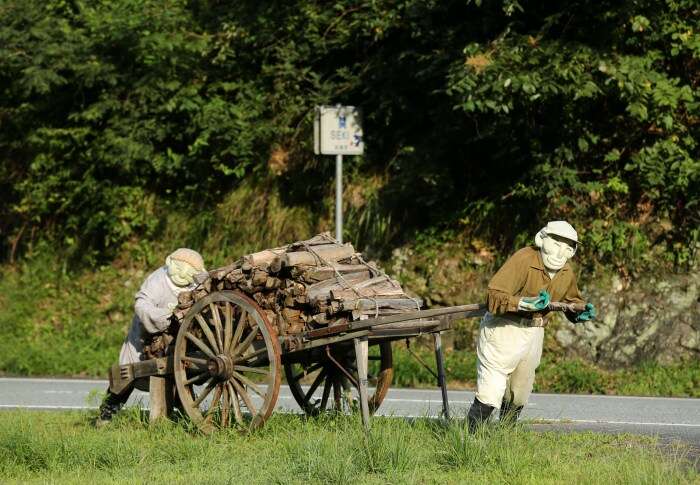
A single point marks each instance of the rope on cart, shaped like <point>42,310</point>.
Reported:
<point>374,270</point>
<point>344,281</point>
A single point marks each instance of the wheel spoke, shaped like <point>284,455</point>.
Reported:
<point>256,370</point>
<point>247,357</point>
<point>196,378</point>
<point>326,393</point>
<point>228,326</point>
<point>207,331</point>
<point>247,342</point>
<point>345,383</point>
<point>225,405</point>
<point>201,345</point>
<point>337,395</point>
<point>214,403</point>
<point>307,371</point>
<point>195,360</point>
<point>204,393</point>
<point>238,416</point>
<point>314,385</point>
<point>244,395</point>
<point>249,383</point>
<point>217,325</point>
<point>339,387</point>
<point>240,325</point>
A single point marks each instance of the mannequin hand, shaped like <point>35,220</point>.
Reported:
<point>588,314</point>
<point>534,303</point>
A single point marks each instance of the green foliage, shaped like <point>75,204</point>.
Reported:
<point>602,118</point>
<point>56,324</point>
<point>483,118</point>
<point>105,105</point>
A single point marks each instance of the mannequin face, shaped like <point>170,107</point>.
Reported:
<point>556,251</point>
<point>180,273</point>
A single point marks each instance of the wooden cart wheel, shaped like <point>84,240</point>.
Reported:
<point>319,385</point>
<point>227,363</point>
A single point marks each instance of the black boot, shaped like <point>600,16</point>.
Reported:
<point>478,414</point>
<point>111,404</point>
<point>509,414</point>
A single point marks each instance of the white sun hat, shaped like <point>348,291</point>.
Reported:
<point>557,228</point>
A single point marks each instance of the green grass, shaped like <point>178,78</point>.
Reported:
<point>65,448</point>
<point>56,324</point>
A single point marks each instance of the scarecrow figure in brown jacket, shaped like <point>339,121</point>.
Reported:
<point>512,331</point>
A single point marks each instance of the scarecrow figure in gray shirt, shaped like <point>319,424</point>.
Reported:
<point>153,309</point>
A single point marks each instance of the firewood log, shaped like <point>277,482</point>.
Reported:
<point>318,255</point>
<point>263,258</point>
<point>307,284</point>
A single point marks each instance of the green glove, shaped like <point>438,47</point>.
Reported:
<point>535,303</point>
<point>586,315</point>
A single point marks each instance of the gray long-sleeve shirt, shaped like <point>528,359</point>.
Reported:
<point>153,307</point>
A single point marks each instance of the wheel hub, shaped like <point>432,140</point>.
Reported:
<point>221,366</point>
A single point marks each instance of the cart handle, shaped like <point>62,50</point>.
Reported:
<point>559,306</point>
<point>449,313</point>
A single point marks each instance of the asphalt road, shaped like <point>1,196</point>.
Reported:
<point>669,418</point>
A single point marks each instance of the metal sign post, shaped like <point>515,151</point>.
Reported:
<point>339,197</point>
<point>337,131</point>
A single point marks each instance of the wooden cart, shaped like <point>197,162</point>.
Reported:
<point>227,361</point>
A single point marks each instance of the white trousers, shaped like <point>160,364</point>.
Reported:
<point>508,354</point>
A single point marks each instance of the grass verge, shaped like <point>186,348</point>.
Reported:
<point>65,448</point>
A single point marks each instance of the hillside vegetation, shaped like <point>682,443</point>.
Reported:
<point>481,118</point>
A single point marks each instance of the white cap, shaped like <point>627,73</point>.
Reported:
<point>189,256</point>
<point>557,228</point>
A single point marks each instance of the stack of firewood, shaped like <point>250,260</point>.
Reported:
<point>308,284</point>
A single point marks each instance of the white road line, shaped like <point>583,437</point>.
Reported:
<point>633,423</point>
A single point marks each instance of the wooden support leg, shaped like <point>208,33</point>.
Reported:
<point>361,354</point>
<point>161,397</point>
<point>442,382</point>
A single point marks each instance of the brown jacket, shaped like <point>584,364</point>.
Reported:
<point>524,274</point>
